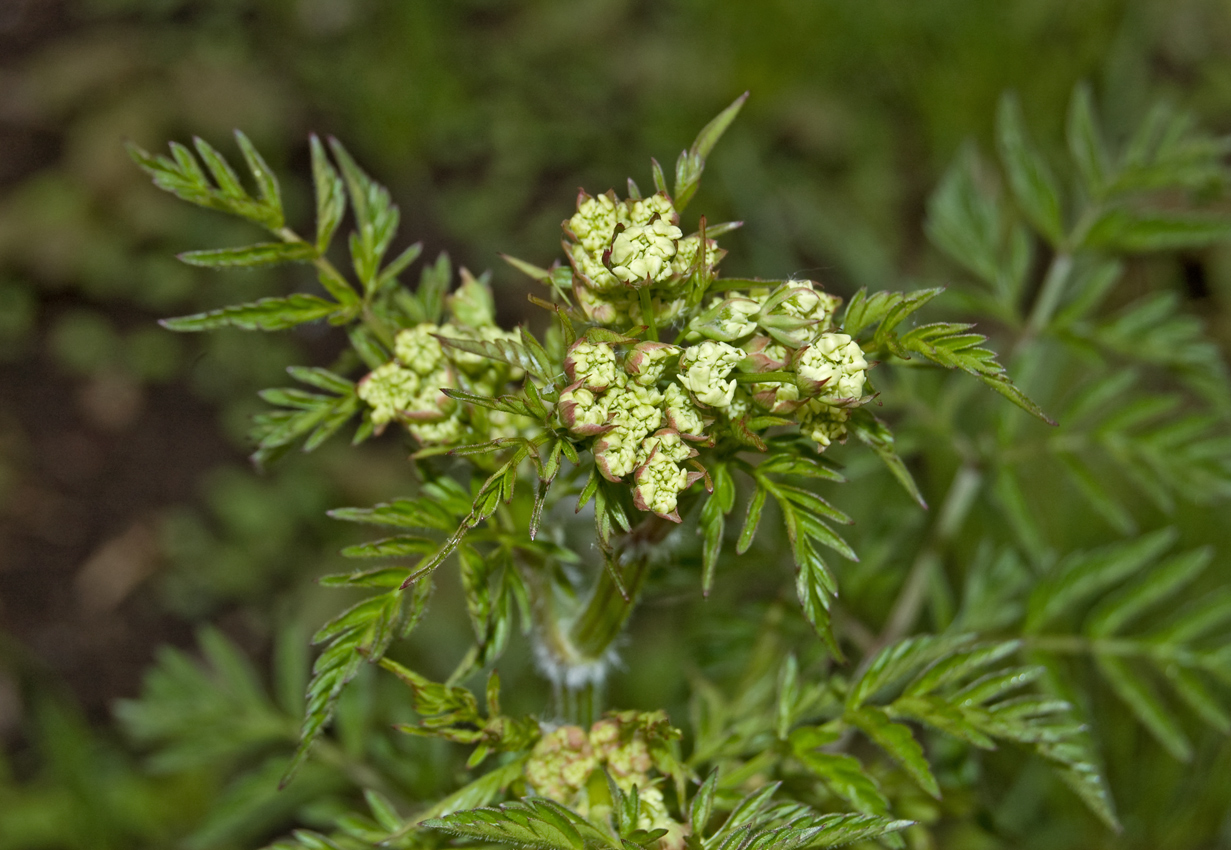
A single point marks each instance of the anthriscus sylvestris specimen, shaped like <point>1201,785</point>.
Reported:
<point>659,395</point>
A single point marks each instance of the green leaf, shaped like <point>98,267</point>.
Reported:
<point>714,523</point>
<point>955,666</point>
<point>1032,182</point>
<point>1132,232</point>
<point>950,345</point>
<point>813,587</point>
<point>691,163</point>
<point>267,314</point>
<point>964,222</point>
<point>943,715</point>
<point>886,310</point>
<point>532,822</point>
<point>224,175</point>
<point>1162,583</point>
<point>845,777</point>
<point>251,256</point>
<point>1192,690</point>
<point>502,351</point>
<point>361,633</point>
<point>702,804</point>
<point>266,181</point>
<point>896,740</point>
<point>391,547</point>
<point>752,520</point>
<point>1086,144</point>
<point>330,195</point>
<point>1083,575</point>
<point>899,660</point>
<point>1145,704</point>
<point>875,434</point>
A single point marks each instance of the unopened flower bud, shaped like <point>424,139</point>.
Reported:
<point>389,390</point>
<point>833,367</point>
<point>593,365</point>
<point>648,360</point>
<point>642,254</point>
<point>582,412</point>
<point>418,349</point>
<point>594,222</point>
<point>703,371</point>
<point>682,415</point>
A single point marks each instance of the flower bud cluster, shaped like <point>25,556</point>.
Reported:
<point>787,330</point>
<point>639,430</point>
<point>618,247</point>
<point>562,761</point>
<point>409,388</point>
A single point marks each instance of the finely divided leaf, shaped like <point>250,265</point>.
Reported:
<point>267,314</point>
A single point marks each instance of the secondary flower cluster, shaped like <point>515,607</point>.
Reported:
<point>563,760</point>
<point>619,247</point>
<point>814,373</point>
<point>648,412</point>
<point>638,429</point>
<point>409,388</point>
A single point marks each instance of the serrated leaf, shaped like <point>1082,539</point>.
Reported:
<point>1034,186</point>
<point>943,715</point>
<point>896,740</point>
<point>950,345</point>
<point>1086,144</point>
<point>266,181</point>
<point>502,351</point>
<point>884,310</point>
<point>267,314</point>
<point>1083,575</point>
<point>691,162</point>
<point>845,777</point>
<point>899,660</point>
<point>812,586</point>
<point>1136,232</point>
<point>531,822</point>
<point>330,195</point>
<point>955,666</point>
<point>1146,706</point>
<point>964,221</point>
<point>876,435</point>
<point>391,547</point>
<point>251,256</point>
<point>1159,585</point>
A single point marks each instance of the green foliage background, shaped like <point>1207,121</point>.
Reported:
<point>483,118</point>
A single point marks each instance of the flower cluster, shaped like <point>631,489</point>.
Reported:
<point>409,388</point>
<point>563,760</point>
<point>638,429</point>
<point>618,247</point>
<point>814,373</point>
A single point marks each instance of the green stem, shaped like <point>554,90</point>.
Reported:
<point>763,377</point>
<point>647,313</point>
<point>607,610</point>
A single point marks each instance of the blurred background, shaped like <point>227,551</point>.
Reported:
<point>129,516</point>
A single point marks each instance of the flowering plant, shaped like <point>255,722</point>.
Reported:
<point>659,395</point>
